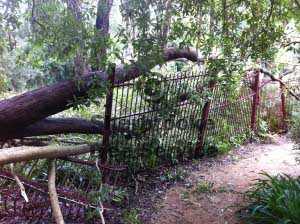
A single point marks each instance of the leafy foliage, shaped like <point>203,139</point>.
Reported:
<point>132,216</point>
<point>276,199</point>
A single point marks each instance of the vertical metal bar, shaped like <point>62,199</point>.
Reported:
<point>283,108</point>
<point>255,101</point>
<point>107,118</point>
<point>203,123</point>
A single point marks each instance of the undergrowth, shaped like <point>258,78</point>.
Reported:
<point>220,145</point>
<point>274,200</point>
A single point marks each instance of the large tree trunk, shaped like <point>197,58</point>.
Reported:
<point>52,126</point>
<point>80,62</point>
<point>166,24</point>
<point>28,108</point>
<point>102,33</point>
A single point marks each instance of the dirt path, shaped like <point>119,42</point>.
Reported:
<point>212,194</point>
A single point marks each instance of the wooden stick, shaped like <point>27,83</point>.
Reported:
<point>56,211</point>
<point>26,153</point>
<point>19,183</point>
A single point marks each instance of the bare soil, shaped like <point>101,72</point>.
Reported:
<point>212,193</point>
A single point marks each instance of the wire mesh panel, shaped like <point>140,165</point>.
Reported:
<point>270,110</point>
<point>163,112</point>
<point>229,114</point>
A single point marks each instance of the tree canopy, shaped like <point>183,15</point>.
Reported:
<point>47,41</point>
<point>57,35</point>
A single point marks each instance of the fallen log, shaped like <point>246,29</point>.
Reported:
<point>28,108</point>
<point>26,153</point>
<point>53,126</point>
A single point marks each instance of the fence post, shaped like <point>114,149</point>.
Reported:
<point>203,123</point>
<point>107,117</point>
<point>255,102</point>
<point>283,108</point>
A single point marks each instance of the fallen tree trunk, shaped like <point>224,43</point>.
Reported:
<point>52,126</point>
<point>25,153</point>
<point>28,108</point>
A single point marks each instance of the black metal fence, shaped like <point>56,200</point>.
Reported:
<point>163,111</point>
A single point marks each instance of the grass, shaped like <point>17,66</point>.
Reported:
<point>275,200</point>
<point>204,187</point>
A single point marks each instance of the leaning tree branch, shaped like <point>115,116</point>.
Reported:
<point>28,108</point>
<point>291,43</point>
<point>56,211</point>
<point>25,153</point>
<point>268,73</point>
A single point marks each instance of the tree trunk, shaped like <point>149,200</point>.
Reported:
<point>80,62</point>
<point>53,126</point>
<point>166,24</point>
<point>102,33</point>
<point>23,110</point>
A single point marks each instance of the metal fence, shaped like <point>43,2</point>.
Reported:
<point>163,111</point>
<point>230,116</point>
<point>163,119</point>
<point>171,116</point>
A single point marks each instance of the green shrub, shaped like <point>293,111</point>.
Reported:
<point>275,199</point>
<point>222,144</point>
<point>132,216</point>
<point>3,84</point>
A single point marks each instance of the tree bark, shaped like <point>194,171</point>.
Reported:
<point>166,24</point>
<point>26,153</point>
<point>28,108</point>
<point>53,126</point>
<point>102,26</point>
<point>80,62</point>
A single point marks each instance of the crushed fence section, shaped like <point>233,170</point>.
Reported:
<point>163,111</point>
<point>79,183</point>
<point>230,115</point>
<point>171,116</point>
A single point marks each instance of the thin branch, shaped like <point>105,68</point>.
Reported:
<point>268,73</point>
<point>33,19</point>
<point>290,43</point>
<point>19,183</point>
<point>270,12</point>
<point>59,219</point>
<point>101,209</point>
<point>136,184</point>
